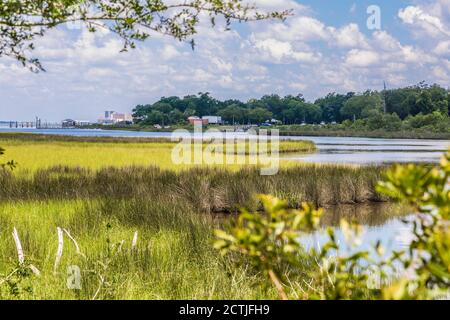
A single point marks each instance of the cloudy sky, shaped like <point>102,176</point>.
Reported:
<point>326,46</point>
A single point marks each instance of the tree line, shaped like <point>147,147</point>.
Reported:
<point>420,100</point>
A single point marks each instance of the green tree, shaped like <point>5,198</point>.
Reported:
<point>155,117</point>
<point>259,115</point>
<point>162,107</point>
<point>331,106</point>
<point>426,120</point>
<point>299,111</point>
<point>274,103</point>
<point>358,106</point>
<point>22,21</point>
<point>379,120</point>
<point>234,114</point>
<point>140,112</point>
<point>176,117</point>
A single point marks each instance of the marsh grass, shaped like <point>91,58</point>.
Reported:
<point>34,152</point>
<point>104,191</point>
<point>201,189</point>
<point>173,258</point>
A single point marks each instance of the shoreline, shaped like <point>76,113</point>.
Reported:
<point>376,134</point>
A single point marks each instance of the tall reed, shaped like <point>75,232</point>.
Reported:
<point>201,189</point>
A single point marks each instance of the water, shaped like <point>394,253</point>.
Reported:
<point>384,222</point>
<point>373,151</point>
<point>330,149</point>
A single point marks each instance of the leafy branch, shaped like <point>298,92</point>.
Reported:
<point>272,239</point>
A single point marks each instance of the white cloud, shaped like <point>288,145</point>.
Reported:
<point>362,58</point>
<point>283,52</point>
<point>169,52</point>
<point>384,41</point>
<point>349,36</point>
<point>430,24</point>
<point>443,48</point>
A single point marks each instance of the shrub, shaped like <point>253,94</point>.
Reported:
<point>271,242</point>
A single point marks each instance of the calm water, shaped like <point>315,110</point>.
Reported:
<point>382,221</point>
<point>373,151</point>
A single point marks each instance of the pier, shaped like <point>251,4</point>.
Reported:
<point>38,124</point>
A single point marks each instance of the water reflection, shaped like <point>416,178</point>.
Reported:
<point>371,215</point>
<point>382,222</point>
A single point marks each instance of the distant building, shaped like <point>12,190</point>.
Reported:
<point>69,123</point>
<point>213,119</point>
<point>113,117</point>
<point>197,121</point>
<point>82,122</point>
<point>108,114</point>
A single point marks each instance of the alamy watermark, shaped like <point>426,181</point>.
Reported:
<point>374,19</point>
<point>73,277</point>
<point>213,147</point>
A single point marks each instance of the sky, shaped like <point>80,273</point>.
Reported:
<point>326,46</point>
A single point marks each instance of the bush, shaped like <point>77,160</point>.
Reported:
<point>271,242</point>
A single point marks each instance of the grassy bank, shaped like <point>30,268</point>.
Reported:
<point>318,131</point>
<point>34,152</point>
<point>172,258</point>
<point>312,131</point>
<point>106,192</point>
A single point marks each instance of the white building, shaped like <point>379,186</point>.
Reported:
<point>113,117</point>
<point>213,119</point>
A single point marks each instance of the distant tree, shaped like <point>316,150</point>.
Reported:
<point>429,120</point>
<point>358,106</point>
<point>176,117</point>
<point>234,114</point>
<point>155,117</point>
<point>400,101</point>
<point>140,112</point>
<point>162,107</point>
<point>230,102</point>
<point>331,106</point>
<point>22,21</point>
<point>259,115</point>
<point>175,102</point>
<point>274,104</point>
<point>411,104</point>
<point>189,113</point>
<point>379,120</point>
<point>298,111</point>
<point>424,103</point>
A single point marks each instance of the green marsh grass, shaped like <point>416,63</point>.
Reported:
<point>202,189</point>
<point>34,152</point>
<point>103,190</point>
<point>173,258</point>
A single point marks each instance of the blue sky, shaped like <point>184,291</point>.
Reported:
<point>325,47</point>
